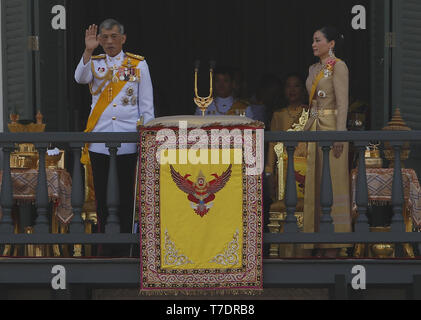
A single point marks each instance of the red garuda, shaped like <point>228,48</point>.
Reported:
<point>201,193</point>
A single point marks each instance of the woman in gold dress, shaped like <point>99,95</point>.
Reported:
<point>328,87</point>
<point>283,119</point>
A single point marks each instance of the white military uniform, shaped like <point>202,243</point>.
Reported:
<point>221,106</point>
<point>134,101</point>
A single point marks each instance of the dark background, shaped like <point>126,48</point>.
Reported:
<point>257,36</point>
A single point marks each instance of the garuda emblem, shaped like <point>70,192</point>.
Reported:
<point>201,193</point>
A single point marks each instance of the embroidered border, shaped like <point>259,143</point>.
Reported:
<point>153,277</point>
<point>230,255</point>
<point>172,256</point>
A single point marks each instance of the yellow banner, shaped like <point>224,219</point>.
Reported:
<point>201,215</point>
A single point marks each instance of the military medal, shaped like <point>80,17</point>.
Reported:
<point>126,74</point>
<point>321,94</point>
<point>328,71</point>
<point>125,101</point>
<point>130,73</point>
<point>133,100</point>
<point>136,74</point>
<point>115,74</point>
<point>121,73</point>
<point>130,91</point>
<point>131,76</point>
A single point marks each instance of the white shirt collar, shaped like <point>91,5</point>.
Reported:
<point>117,58</point>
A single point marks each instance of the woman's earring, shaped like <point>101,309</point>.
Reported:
<point>331,54</point>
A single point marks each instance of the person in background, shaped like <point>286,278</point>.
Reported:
<point>268,97</point>
<point>224,102</point>
<point>283,119</point>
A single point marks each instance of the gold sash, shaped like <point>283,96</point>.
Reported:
<point>110,92</point>
<point>339,170</point>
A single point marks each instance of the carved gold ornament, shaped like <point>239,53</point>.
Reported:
<point>230,257</point>
<point>172,256</point>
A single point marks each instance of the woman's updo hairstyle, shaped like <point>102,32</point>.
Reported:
<point>332,34</point>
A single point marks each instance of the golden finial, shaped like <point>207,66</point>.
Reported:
<point>39,117</point>
<point>14,118</point>
<point>397,123</point>
<point>203,102</point>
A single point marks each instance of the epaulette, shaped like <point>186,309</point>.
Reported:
<point>241,104</point>
<point>135,56</point>
<point>100,57</point>
<point>238,106</point>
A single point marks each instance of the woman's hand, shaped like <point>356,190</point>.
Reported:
<point>338,149</point>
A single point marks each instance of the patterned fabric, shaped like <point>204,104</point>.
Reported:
<point>380,190</point>
<point>59,189</point>
<point>195,244</point>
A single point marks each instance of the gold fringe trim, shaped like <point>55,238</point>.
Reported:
<point>199,292</point>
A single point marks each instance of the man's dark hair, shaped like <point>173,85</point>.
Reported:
<point>226,71</point>
<point>109,24</point>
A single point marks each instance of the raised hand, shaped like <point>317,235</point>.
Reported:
<point>91,38</point>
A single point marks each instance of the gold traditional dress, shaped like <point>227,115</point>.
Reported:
<point>328,87</point>
<point>282,120</point>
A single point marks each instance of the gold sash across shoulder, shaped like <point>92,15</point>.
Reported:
<point>325,120</point>
<point>110,92</point>
<point>319,77</point>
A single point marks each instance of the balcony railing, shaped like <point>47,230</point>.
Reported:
<point>335,273</point>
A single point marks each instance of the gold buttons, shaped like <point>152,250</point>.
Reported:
<point>114,118</point>
<point>115,105</point>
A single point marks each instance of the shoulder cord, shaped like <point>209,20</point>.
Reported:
<point>107,77</point>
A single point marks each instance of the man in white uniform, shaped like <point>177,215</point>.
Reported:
<point>224,102</point>
<point>122,94</point>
